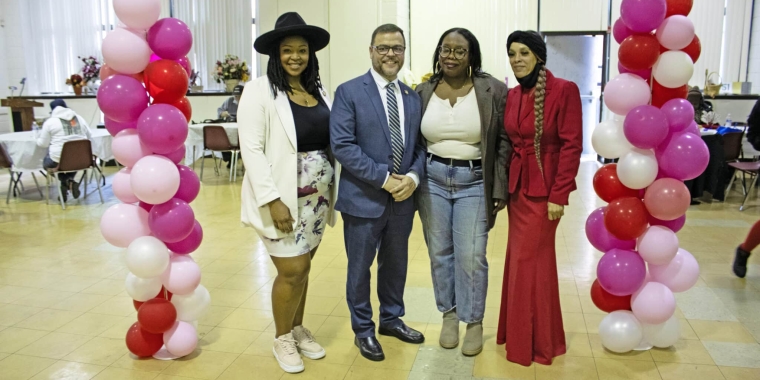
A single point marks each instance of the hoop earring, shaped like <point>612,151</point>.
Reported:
<point>437,67</point>
<point>469,71</point>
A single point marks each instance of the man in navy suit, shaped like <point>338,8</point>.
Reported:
<point>375,135</point>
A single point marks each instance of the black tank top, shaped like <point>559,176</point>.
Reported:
<point>312,126</point>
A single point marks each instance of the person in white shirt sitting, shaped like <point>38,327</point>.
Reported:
<point>63,125</point>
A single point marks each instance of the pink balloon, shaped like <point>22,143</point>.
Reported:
<point>171,221</point>
<point>127,147</point>
<point>621,272</point>
<point>182,275</point>
<point>123,223</point>
<point>181,339</point>
<point>654,303</point>
<point>189,184</point>
<point>680,114</point>
<point>107,72</point>
<point>171,39</point>
<point>658,245</point>
<point>155,179</point>
<point>602,239</point>
<point>642,16</point>
<point>645,127</point>
<point>114,127</point>
<point>626,92</point>
<point>138,14</point>
<point>185,63</point>
<point>680,274</point>
<point>122,189</point>
<point>125,51</point>
<point>683,156</point>
<point>190,243</point>
<point>667,199</point>
<point>676,32</point>
<point>694,129</point>
<point>163,128</point>
<point>643,74</point>
<point>674,225</point>
<point>177,156</point>
<point>122,98</point>
<point>620,31</point>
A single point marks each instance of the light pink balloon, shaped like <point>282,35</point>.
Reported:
<point>125,51</point>
<point>182,275</point>
<point>154,179</point>
<point>123,223</point>
<point>626,92</point>
<point>654,303</point>
<point>127,147</point>
<point>138,14</point>
<point>181,339</point>
<point>680,274</point>
<point>676,32</point>
<point>122,188</point>
<point>658,245</point>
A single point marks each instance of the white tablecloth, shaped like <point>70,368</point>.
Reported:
<point>27,156</point>
<point>195,139</point>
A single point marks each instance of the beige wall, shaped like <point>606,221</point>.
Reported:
<point>574,15</point>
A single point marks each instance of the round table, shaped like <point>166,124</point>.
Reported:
<point>27,156</point>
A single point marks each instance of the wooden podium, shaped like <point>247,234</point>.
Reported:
<point>22,112</point>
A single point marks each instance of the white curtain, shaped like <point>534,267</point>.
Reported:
<point>736,37</point>
<point>219,28</point>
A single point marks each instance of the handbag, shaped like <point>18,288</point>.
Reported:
<point>711,87</point>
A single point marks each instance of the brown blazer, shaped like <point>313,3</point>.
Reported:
<point>491,95</point>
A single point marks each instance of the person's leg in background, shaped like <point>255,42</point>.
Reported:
<point>48,163</point>
<point>227,157</point>
<point>743,251</point>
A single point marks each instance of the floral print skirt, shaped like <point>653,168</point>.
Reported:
<point>315,176</point>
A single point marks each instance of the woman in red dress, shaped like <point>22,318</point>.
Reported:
<point>543,121</point>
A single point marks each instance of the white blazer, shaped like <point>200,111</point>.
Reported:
<point>269,149</point>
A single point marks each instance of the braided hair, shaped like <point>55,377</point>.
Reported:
<point>278,79</point>
<point>539,97</point>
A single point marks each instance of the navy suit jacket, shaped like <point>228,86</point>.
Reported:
<point>361,142</point>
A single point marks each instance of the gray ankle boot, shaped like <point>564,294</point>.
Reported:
<point>450,330</point>
<point>473,339</point>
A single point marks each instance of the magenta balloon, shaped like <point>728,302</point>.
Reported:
<point>684,156</point>
<point>176,156</point>
<point>172,221</point>
<point>694,129</point>
<point>114,127</point>
<point>145,206</point>
<point>170,38</point>
<point>122,98</point>
<point>598,235</point>
<point>653,304</point>
<point>189,184</point>
<point>675,225</point>
<point>620,31</point>
<point>154,57</point>
<point>680,114</point>
<point>645,127</point>
<point>190,243</point>
<point>643,16</point>
<point>185,63</point>
<point>680,274</point>
<point>643,74</point>
<point>163,128</point>
<point>621,272</point>
<point>667,199</point>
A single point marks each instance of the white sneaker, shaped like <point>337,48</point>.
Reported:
<point>306,343</point>
<point>286,353</point>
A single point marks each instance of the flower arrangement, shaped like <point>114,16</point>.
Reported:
<point>231,68</point>
<point>91,69</point>
<point>75,81</point>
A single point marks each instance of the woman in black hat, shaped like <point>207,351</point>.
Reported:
<point>288,191</point>
<point>543,120</point>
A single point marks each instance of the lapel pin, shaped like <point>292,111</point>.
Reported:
<point>406,92</point>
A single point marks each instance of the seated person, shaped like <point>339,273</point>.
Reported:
<point>63,125</point>
<point>228,112</point>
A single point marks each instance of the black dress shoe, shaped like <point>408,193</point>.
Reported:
<point>404,333</point>
<point>370,348</point>
<point>740,262</point>
<point>74,188</point>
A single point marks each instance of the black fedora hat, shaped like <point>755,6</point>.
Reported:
<point>291,24</point>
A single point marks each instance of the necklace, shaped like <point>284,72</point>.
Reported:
<point>304,95</point>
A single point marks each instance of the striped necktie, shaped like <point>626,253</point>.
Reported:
<point>397,142</point>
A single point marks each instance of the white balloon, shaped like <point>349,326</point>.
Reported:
<point>142,289</point>
<point>609,140</point>
<point>663,335</point>
<point>147,257</point>
<point>673,69</point>
<point>676,32</point>
<point>637,169</point>
<point>193,306</point>
<point>620,331</point>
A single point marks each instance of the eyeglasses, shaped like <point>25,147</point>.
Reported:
<point>445,51</point>
<point>385,49</point>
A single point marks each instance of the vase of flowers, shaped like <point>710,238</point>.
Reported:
<point>232,71</point>
<point>90,73</point>
<point>77,82</point>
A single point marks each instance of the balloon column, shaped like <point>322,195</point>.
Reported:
<point>652,135</point>
<point>147,112</point>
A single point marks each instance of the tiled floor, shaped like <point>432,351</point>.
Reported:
<point>64,311</point>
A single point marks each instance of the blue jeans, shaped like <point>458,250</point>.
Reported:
<point>452,207</point>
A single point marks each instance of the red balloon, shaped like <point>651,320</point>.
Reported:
<point>639,51</point>
<point>184,106</point>
<point>142,343</point>
<point>157,316</point>
<point>608,302</point>
<point>607,185</point>
<point>160,295</point>
<point>694,49</point>
<point>626,218</point>
<point>661,94</point>
<point>166,81</point>
<point>679,7</point>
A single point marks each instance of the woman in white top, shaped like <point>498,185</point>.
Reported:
<point>466,182</point>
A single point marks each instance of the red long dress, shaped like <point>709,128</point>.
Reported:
<point>530,320</point>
